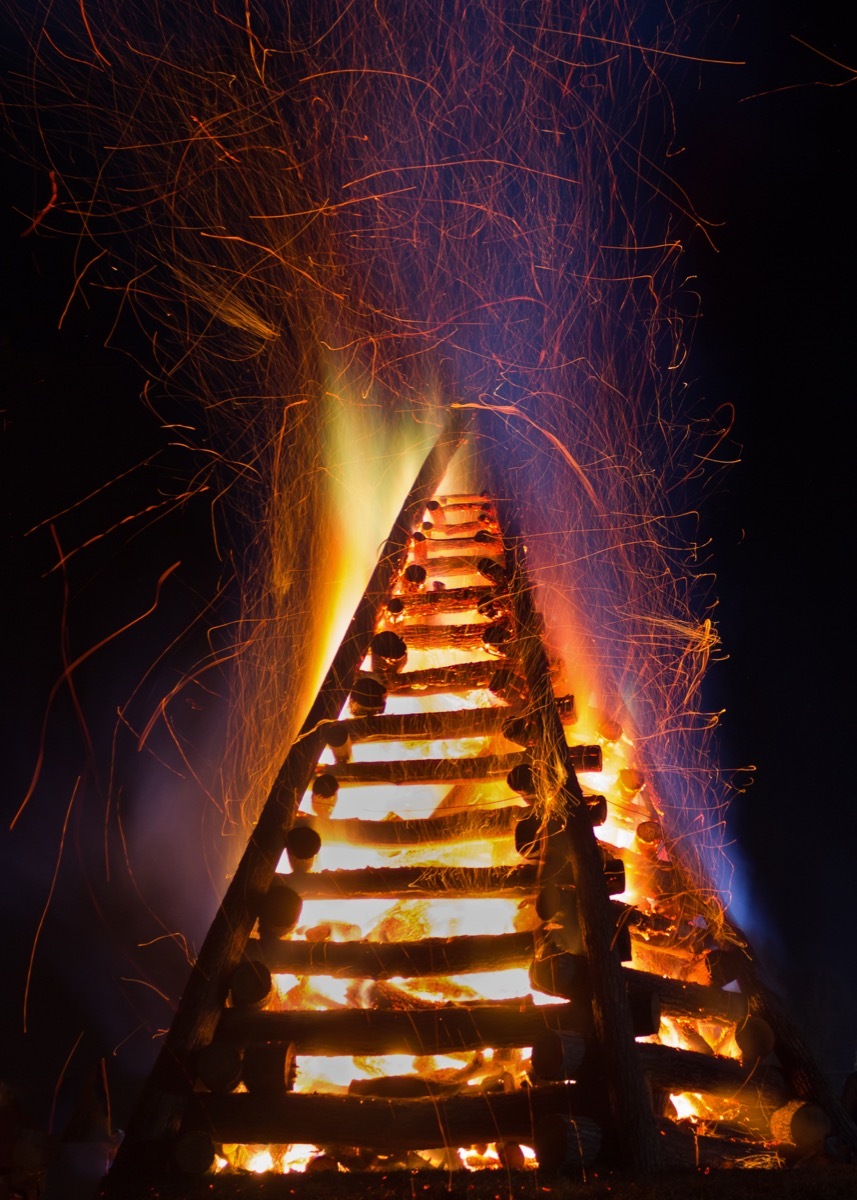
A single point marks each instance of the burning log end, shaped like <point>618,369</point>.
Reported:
<point>368,697</point>
<point>413,577</point>
<point>557,1056</point>
<point>194,1153</point>
<point>566,1144</point>
<point>630,781</point>
<point>279,911</point>
<point>250,985</point>
<point>755,1039</point>
<point>269,1070</point>
<point>219,1067</point>
<point>497,639</point>
<point>597,806</point>
<point>491,570</point>
<point>303,844</point>
<point>609,729</point>
<point>802,1123</point>
<point>395,606</point>
<point>648,837</point>
<point>325,790</point>
<point>585,758</point>
<point>388,653</point>
<point>339,741</point>
<point>419,546</point>
<point>645,1009</point>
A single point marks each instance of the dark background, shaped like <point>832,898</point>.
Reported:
<point>768,156</point>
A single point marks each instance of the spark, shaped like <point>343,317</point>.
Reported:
<point>43,917</point>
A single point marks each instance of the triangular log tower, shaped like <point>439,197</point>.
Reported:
<point>560,1066</point>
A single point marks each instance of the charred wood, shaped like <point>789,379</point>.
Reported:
<point>444,1029</point>
<point>385,960</point>
<point>568,975</point>
<point>463,825</point>
<point>463,599</point>
<point>424,770</point>
<point>399,1124</point>
<point>419,882</point>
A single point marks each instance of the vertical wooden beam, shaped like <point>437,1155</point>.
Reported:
<point>164,1097</point>
<point>634,1132</point>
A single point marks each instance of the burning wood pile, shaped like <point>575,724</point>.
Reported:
<point>458,936</point>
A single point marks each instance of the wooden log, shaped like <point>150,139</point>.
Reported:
<point>565,1144</point>
<point>419,882</point>
<point>302,847</point>
<point>269,1070</point>
<point>558,1056</point>
<point>629,1103</point>
<point>755,1039</point>
<point>684,1148</point>
<point>427,726</point>
<point>472,824</point>
<point>463,599</point>
<point>388,653</point>
<point>219,1067</point>
<point>160,1105</point>
<point>802,1123</point>
<point>567,975</point>
<point>338,740</point>
<point>485,564</point>
<point>689,1071</point>
<point>368,696</point>
<point>437,531</point>
<point>441,1030</point>
<point>410,960</point>
<point>418,1124</point>
<point>279,910</point>
<point>250,985</point>
<point>193,1153</point>
<point>482,543</point>
<point>404,772</point>
<point>462,677</point>
<point>443,637</point>
<point>325,792</point>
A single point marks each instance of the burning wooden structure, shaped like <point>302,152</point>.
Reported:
<point>625,1031</point>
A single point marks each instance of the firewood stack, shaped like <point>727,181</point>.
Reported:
<point>610,1019</point>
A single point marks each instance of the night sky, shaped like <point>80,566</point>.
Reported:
<point>768,157</point>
